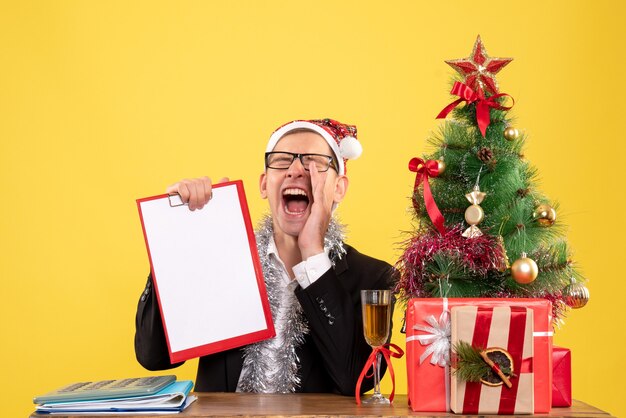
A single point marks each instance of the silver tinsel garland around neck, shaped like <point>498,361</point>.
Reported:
<point>259,373</point>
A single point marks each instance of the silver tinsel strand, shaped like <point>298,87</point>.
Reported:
<point>257,375</point>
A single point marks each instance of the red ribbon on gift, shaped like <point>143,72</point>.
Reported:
<point>424,170</point>
<point>483,105</point>
<point>370,364</point>
<point>527,365</point>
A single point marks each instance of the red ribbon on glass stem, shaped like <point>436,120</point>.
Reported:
<point>370,364</point>
<point>483,105</point>
<point>424,170</point>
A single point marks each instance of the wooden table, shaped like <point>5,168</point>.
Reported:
<point>319,405</point>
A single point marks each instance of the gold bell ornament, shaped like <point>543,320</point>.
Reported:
<point>524,270</point>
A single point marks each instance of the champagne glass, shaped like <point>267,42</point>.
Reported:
<point>376,306</point>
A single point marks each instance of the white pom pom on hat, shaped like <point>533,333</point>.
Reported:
<point>350,148</point>
<point>341,138</point>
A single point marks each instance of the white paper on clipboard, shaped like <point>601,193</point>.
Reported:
<point>206,273</point>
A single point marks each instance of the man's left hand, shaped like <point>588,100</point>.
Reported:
<point>311,238</point>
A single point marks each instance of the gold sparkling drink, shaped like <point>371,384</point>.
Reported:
<point>376,308</point>
<point>376,318</point>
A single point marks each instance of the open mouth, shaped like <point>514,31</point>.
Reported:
<point>295,201</point>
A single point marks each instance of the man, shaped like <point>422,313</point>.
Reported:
<point>313,279</point>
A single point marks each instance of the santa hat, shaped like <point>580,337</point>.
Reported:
<point>340,137</point>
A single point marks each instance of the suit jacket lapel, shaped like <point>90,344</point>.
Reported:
<point>341,264</point>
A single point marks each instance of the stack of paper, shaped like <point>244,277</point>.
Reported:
<point>172,399</point>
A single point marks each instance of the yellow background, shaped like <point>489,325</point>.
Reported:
<point>105,102</point>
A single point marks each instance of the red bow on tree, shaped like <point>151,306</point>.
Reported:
<point>483,104</point>
<point>424,170</point>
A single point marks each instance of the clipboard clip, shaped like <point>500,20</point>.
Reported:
<point>175,200</point>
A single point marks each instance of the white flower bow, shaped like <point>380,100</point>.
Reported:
<point>437,338</point>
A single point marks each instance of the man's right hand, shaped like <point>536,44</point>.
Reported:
<point>195,192</point>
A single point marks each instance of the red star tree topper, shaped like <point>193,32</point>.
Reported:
<point>479,69</point>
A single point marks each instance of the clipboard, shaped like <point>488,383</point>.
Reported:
<point>206,272</point>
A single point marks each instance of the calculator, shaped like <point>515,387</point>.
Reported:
<point>106,389</point>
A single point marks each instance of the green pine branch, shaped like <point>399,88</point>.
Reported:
<point>469,366</point>
<point>446,276</point>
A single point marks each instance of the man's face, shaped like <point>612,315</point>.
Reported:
<point>290,192</point>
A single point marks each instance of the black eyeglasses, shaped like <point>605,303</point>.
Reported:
<point>281,160</point>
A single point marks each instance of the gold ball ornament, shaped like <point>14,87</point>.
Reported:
<point>524,270</point>
<point>576,294</point>
<point>441,166</point>
<point>511,133</point>
<point>545,215</point>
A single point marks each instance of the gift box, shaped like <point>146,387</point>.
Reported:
<point>561,377</point>
<point>428,350</point>
<point>506,334</point>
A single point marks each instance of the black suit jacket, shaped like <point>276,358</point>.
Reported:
<point>333,353</point>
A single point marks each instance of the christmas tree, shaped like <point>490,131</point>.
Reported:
<point>483,227</point>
